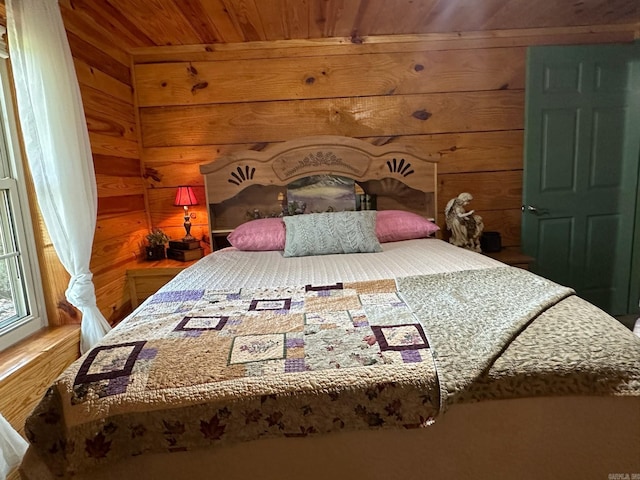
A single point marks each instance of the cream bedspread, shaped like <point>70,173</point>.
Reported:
<point>214,359</point>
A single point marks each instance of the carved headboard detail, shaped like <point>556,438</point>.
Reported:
<point>387,171</point>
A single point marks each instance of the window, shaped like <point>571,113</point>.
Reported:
<point>20,286</point>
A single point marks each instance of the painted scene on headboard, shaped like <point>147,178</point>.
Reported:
<point>320,193</point>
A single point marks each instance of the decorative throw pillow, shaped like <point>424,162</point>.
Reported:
<point>396,225</point>
<point>333,232</point>
<point>258,235</point>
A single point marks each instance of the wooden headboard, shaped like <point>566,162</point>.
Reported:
<point>246,180</point>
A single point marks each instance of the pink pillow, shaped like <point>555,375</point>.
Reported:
<point>260,234</point>
<point>396,225</point>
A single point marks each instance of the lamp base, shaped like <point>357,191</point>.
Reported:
<point>184,244</point>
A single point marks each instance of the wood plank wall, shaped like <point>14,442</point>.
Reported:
<point>103,68</point>
<point>459,99</point>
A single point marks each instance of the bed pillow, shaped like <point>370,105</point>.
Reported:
<point>396,225</point>
<point>332,232</point>
<point>259,235</point>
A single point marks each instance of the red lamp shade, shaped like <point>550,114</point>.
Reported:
<point>185,197</point>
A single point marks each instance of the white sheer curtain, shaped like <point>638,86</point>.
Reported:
<point>12,448</point>
<point>57,146</point>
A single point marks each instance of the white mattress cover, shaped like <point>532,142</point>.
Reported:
<point>230,268</point>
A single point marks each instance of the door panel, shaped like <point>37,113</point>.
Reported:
<point>607,125</point>
<point>555,241</point>
<point>559,149</point>
<point>582,147</point>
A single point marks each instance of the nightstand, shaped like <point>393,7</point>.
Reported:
<point>147,278</point>
<point>511,256</point>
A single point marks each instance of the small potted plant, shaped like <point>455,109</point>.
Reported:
<point>157,243</point>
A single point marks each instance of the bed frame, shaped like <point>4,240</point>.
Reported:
<point>250,180</point>
<point>525,438</point>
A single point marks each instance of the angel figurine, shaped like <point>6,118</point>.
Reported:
<point>465,227</point>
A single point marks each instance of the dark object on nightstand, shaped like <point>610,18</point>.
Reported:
<point>184,250</point>
<point>155,252</point>
<point>185,255</point>
<point>182,245</point>
<point>490,242</point>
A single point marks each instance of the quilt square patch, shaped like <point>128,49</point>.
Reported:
<point>323,304</point>
<point>383,298</point>
<point>339,348</point>
<point>400,337</point>
<point>278,304</point>
<point>196,323</point>
<point>108,362</point>
<point>329,319</point>
<point>255,348</point>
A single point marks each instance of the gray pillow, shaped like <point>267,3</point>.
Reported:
<point>333,232</point>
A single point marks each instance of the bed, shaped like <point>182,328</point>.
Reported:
<point>394,356</point>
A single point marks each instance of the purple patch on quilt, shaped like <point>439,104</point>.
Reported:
<point>148,354</point>
<point>177,296</point>
<point>294,365</point>
<point>411,356</point>
<point>117,385</point>
<point>296,304</point>
<point>233,296</point>
<point>295,342</point>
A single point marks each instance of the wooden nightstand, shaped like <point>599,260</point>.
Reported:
<point>512,256</point>
<point>147,278</point>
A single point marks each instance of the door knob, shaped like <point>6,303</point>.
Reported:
<point>535,210</point>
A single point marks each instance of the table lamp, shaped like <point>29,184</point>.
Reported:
<point>186,198</point>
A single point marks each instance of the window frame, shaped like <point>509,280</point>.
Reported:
<point>12,166</point>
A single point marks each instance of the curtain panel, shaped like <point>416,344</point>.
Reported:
<point>57,147</point>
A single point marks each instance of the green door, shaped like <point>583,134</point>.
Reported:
<point>582,147</point>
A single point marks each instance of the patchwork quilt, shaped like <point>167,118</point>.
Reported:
<point>202,368</point>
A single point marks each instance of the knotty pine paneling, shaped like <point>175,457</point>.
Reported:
<point>193,83</point>
<point>458,152</point>
<point>462,107</point>
<point>108,115</point>
<point>93,56</point>
<point>352,116</point>
<point>458,99</point>
<point>121,207</point>
<point>92,77</point>
<point>95,34</point>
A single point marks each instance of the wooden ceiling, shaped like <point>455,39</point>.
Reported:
<point>146,23</point>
